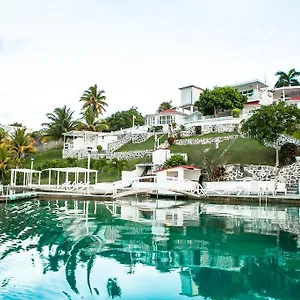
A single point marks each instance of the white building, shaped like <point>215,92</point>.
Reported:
<point>257,93</point>
<point>82,140</point>
<point>189,95</point>
<point>165,118</point>
<point>290,94</point>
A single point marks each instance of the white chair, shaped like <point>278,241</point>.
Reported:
<point>280,188</point>
<point>255,188</point>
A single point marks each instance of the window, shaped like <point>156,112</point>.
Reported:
<point>166,120</point>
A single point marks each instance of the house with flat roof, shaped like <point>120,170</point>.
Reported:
<point>189,95</point>
<point>164,118</point>
<point>257,93</point>
<point>290,94</point>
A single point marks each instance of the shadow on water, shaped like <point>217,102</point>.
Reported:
<point>244,251</point>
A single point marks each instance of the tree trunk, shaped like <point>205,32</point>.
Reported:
<point>215,113</point>
<point>277,155</point>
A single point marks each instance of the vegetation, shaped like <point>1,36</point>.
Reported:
<point>269,122</point>
<point>89,122</point>
<point>287,79</point>
<point>198,129</point>
<point>60,121</point>
<point>241,151</point>
<point>175,160</point>
<point>21,142</point>
<point>16,124</point>
<point>220,98</point>
<point>94,99</point>
<point>125,119</point>
<point>165,106</point>
<point>236,112</point>
<point>287,153</point>
<point>12,150</point>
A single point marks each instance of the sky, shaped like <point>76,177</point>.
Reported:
<point>139,52</point>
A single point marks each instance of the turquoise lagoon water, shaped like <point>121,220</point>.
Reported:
<point>148,249</point>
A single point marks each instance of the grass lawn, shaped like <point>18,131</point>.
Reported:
<point>40,157</point>
<point>240,151</point>
<point>56,154</point>
<point>147,145</point>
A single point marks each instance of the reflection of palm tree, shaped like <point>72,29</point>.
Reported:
<point>113,288</point>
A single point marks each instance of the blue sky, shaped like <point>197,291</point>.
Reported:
<point>139,52</point>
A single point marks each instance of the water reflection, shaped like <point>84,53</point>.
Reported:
<point>148,249</point>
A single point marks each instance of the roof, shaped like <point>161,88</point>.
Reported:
<point>83,132</point>
<point>72,170</point>
<point>254,103</point>
<point>293,87</point>
<point>168,111</point>
<point>295,98</point>
<point>26,171</point>
<point>249,82</point>
<point>180,166</point>
<point>188,86</point>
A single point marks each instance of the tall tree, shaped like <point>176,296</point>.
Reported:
<point>7,161</point>
<point>95,99</point>
<point>22,142</point>
<point>269,122</point>
<point>220,98</point>
<point>124,119</point>
<point>287,79</point>
<point>3,136</point>
<point>60,121</point>
<point>91,123</point>
<point>16,124</point>
<point>165,105</point>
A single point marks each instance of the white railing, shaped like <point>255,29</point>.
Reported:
<point>168,184</point>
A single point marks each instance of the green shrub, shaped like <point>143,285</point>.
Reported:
<point>175,160</point>
<point>198,129</point>
<point>287,153</point>
<point>99,148</point>
<point>236,112</point>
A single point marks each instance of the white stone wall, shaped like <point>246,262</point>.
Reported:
<point>203,141</point>
<point>130,154</point>
<point>290,174</point>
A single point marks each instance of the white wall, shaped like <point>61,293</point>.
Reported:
<point>104,140</point>
<point>189,95</point>
<point>160,156</point>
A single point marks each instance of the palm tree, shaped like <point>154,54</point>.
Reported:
<point>22,142</point>
<point>95,99</point>
<point>3,136</point>
<point>165,106</point>
<point>6,161</point>
<point>61,121</point>
<point>90,122</point>
<point>287,79</point>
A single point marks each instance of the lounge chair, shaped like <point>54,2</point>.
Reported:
<point>281,188</point>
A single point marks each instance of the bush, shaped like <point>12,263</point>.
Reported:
<point>171,140</point>
<point>182,128</point>
<point>236,112</point>
<point>198,129</point>
<point>155,128</point>
<point>218,172</point>
<point>175,160</point>
<point>99,148</point>
<point>287,153</point>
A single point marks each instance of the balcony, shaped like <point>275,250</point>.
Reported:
<point>255,96</point>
